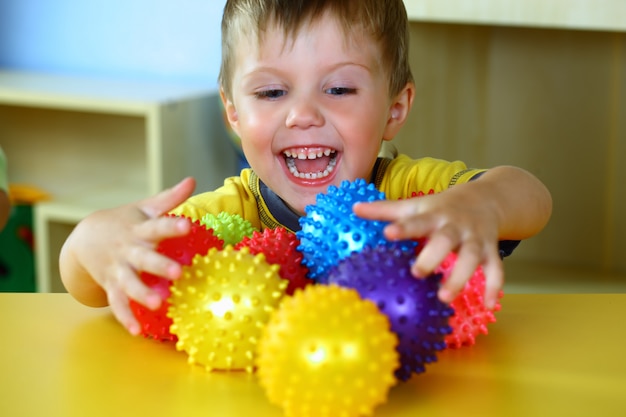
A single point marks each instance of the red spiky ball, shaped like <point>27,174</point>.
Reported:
<point>471,317</point>
<point>154,323</point>
<point>280,247</point>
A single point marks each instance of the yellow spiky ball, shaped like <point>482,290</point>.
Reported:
<point>327,352</point>
<point>220,304</point>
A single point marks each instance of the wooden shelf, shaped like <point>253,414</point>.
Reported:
<point>98,143</point>
<point>550,101</point>
<point>606,15</point>
<point>105,95</point>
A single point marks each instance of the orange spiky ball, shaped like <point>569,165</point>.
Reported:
<point>327,352</point>
<point>471,317</point>
<point>220,304</point>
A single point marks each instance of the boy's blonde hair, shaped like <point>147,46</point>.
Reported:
<point>385,21</point>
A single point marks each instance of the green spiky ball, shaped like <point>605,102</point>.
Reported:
<point>231,228</point>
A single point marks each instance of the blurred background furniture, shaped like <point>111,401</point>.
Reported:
<point>93,143</point>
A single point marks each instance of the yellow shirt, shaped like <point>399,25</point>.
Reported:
<point>248,196</point>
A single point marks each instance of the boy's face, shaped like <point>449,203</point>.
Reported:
<point>312,111</point>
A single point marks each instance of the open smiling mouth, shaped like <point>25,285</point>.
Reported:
<point>310,163</point>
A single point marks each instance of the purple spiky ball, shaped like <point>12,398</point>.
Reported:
<point>417,316</point>
<point>330,231</point>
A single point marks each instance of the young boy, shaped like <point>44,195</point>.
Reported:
<point>313,88</point>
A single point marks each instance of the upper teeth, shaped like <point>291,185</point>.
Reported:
<point>307,154</point>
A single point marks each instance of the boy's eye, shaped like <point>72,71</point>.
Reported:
<point>270,94</point>
<point>340,91</point>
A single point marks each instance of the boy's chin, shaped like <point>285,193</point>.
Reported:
<point>298,204</point>
<point>299,197</point>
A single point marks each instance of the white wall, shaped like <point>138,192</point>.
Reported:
<point>148,39</point>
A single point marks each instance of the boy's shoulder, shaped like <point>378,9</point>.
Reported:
<point>235,196</point>
<point>404,175</point>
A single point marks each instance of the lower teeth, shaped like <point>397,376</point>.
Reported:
<point>291,165</point>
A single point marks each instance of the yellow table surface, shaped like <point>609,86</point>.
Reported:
<point>556,355</point>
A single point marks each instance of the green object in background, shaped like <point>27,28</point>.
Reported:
<point>17,263</point>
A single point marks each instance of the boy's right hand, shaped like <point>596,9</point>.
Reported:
<point>101,260</point>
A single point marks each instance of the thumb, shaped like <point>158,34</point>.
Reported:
<point>168,199</point>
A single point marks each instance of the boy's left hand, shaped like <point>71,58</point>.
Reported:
<point>454,220</point>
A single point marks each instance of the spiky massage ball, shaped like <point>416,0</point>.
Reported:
<point>327,352</point>
<point>471,317</point>
<point>280,247</point>
<point>220,304</point>
<point>330,231</point>
<point>230,227</point>
<point>417,316</point>
<point>154,323</point>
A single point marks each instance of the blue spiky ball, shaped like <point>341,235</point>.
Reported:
<point>417,316</point>
<point>330,231</point>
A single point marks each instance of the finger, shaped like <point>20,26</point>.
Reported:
<point>411,227</point>
<point>439,245</point>
<point>118,301</point>
<point>168,199</point>
<point>146,260</point>
<point>161,228</point>
<point>386,210</point>
<point>494,279</point>
<point>127,281</point>
<point>468,260</point>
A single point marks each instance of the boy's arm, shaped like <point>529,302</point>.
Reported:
<point>523,203</point>
<point>504,203</point>
<point>101,259</point>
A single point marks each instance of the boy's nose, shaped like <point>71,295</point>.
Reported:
<point>303,114</point>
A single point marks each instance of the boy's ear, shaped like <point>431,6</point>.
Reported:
<point>399,111</point>
<point>230,112</point>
